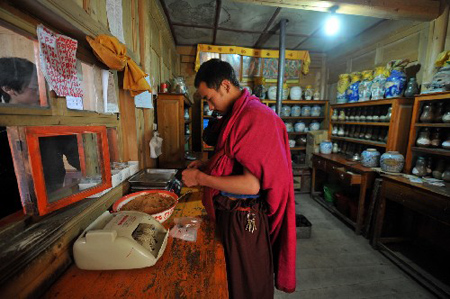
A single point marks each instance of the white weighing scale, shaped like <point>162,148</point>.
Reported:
<point>122,240</point>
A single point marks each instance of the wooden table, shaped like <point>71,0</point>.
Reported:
<point>186,269</point>
<point>348,173</point>
<point>403,242</point>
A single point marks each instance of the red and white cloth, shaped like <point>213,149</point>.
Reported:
<point>58,62</point>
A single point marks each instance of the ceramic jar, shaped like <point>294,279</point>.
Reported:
<point>326,147</point>
<point>353,89</point>
<point>439,169</point>
<point>272,93</point>
<point>423,139</point>
<point>316,110</point>
<point>285,93</point>
<point>285,110</point>
<point>411,89</point>
<point>289,127</point>
<point>420,169</point>
<point>335,131</point>
<point>314,126</point>
<point>296,110</point>
<point>299,127</point>
<point>295,93</point>
<point>392,161</point>
<point>342,85</point>
<point>187,130</point>
<point>365,86</point>
<point>446,143</point>
<point>335,149</point>
<point>274,108</point>
<point>306,110</point>
<point>291,143</point>
<point>388,116</point>
<point>316,95</point>
<point>395,83</point>
<point>427,115</point>
<point>207,111</point>
<point>341,131</point>
<point>378,83</point>
<point>446,116</point>
<point>186,114</point>
<point>446,174</point>
<point>370,157</point>
<point>435,138</point>
<point>439,112</point>
<point>334,117</point>
<point>341,116</point>
<point>309,93</point>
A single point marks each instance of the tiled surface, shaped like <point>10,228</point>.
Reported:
<point>336,263</point>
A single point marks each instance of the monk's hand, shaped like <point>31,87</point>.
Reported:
<point>190,177</point>
<point>197,164</point>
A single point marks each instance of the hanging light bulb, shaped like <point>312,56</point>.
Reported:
<point>332,24</point>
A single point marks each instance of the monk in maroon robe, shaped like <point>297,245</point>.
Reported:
<point>248,186</point>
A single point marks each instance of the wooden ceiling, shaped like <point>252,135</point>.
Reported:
<point>254,23</point>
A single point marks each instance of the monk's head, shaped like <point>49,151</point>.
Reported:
<point>216,83</point>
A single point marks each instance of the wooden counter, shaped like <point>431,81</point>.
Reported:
<point>186,269</point>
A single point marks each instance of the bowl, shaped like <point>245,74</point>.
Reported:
<point>160,216</point>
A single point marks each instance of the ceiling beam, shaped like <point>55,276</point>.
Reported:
<point>216,21</point>
<point>166,12</point>
<point>264,37</point>
<point>419,10</point>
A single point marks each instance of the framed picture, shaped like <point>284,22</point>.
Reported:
<point>251,67</point>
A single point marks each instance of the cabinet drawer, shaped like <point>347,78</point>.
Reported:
<point>418,200</point>
<point>319,163</point>
<point>342,174</point>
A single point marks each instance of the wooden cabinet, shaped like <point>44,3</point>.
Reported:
<point>435,153</point>
<point>174,128</point>
<point>413,230</point>
<point>335,167</point>
<point>360,133</point>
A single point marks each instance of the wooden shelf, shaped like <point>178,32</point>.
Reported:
<point>434,125</point>
<point>302,117</point>
<point>371,103</point>
<point>302,102</point>
<point>384,124</point>
<point>361,141</point>
<point>297,133</point>
<point>298,148</point>
<point>434,151</point>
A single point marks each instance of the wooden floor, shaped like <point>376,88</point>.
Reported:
<point>336,263</point>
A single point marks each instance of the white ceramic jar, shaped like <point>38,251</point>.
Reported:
<point>295,93</point>
<point>272,93</point>
<point>299,127</point>
<point>296,111</point>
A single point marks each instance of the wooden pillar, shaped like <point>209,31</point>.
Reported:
<point>436,44</point>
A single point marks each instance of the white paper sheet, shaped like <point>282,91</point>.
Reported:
<point>75,103</point>
<point>144,99</point>
<point>115,17</point>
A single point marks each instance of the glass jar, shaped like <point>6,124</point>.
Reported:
<point>423,138</point>
<point>420,169</point>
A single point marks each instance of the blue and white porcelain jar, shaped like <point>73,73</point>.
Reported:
<point>306,110</point>
<point>314,126</point>
<point>392,161</point>
<point>272,93</point>
<point>326,147</point>
<point>370,157</point>
<point>353,89</point>
<point>289,127</point>
<point>296,110</point>
<point>299,127</point>
<point>395,84</point>
<point>316,110</point>
<point>285,110</point>
<point>296,93</point>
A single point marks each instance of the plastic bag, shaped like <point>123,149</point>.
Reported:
<point>186,228</point>
<point>155,145</point>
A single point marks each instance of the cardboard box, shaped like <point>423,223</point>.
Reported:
<point>313,140</point>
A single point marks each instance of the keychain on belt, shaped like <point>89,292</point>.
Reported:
<point>251,222</point>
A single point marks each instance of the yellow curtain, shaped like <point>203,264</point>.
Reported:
<point>114,54</point>
<point>292,55</point>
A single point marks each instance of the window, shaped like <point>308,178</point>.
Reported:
<point>21,81</point>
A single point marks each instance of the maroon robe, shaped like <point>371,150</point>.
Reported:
<point>256,137</point>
